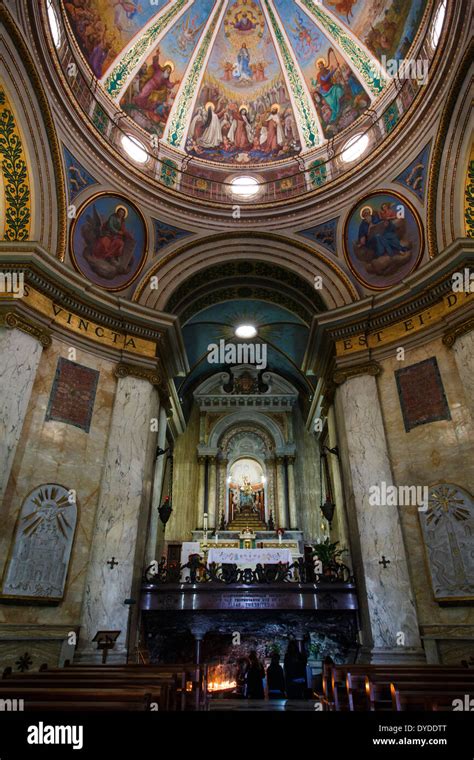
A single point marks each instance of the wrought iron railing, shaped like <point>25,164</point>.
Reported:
<point>196,571</point>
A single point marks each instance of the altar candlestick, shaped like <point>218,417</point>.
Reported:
<point>205,521</point>
<point>217,538</point>
<point>279,538</point>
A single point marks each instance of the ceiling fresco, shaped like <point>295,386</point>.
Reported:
<point>276,326</point>
<point>386,27</point>
<point>103,28</point>
<point>243,81</point>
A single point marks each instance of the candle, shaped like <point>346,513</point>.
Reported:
<point>205,521</point>
<point>217,538</point>
<point>279,538</point>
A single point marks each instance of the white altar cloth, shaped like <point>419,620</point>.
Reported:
<point>249,557</point>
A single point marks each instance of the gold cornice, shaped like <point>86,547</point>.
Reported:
<point>142,373</point>
<point>370,368</point>
<point>27,60</point>
<point>14,321</point>
<point>223,236</point>
<point>450,337</point>
<point>438,147</point>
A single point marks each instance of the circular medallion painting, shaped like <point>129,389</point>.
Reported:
<point>108,241</point>
<point>383,239</point>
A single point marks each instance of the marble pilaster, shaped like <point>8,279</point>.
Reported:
<point>292,494</point>
<point>20,355</point>
<point>201,489</point>
<point>339,524</point>
<point>121,515</point>
<point>280,468</point>
<point>463,350</point>
<point>157,487</point>
<point>391,614</point>
<point>212,493</point>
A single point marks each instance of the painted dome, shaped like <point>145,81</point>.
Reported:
<point>244,82</point>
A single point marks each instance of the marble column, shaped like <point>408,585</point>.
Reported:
<point>292,493</point>
<point>20,355</point>
<point>463,350</point>
<point>120,518</point>
<point>281,493</point>
<point>201,489</point>
<point>390,626</point>
<point>212,493</point>
<point>157,487</point>
<point>339,525</point>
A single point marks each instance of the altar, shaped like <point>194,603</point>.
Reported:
<point>249,558</point>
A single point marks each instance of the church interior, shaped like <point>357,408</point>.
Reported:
<point>236,355</point>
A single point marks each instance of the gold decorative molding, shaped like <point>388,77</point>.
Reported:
<point>439,144</point>
<point>7,20</point>
<point>142,373</point>
<point>400,330</point>
<point>370,368</point>
<point>14,321</point>
<point>450,337</point>
<point>223,237</point>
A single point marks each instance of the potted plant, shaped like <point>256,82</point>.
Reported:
<point>330,557</point>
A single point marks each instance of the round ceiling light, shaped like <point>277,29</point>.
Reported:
<point>246,331</point>
<point>354,148</point>
<point>245,187</point>
<point>135,149</point>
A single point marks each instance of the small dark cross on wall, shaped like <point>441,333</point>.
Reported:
<point>384,562</point>
<point>112,562</point>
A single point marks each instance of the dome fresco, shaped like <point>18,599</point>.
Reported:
<point>239,82</point>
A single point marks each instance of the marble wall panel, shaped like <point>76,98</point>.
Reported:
<point>20,355</point>
<point>307,485</point>
<point>440,451</point>
<point>51,451</point>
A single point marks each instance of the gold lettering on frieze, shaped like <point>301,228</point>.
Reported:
<point>82,326</point>
<point>408,326</point>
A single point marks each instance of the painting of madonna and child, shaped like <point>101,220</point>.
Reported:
<point>383,240</point>
<point>243,112</point>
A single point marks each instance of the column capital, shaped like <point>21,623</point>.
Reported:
<point>346,373</point>
<point>14,321</point>
<point>450,336</point>
<point>135,370</point>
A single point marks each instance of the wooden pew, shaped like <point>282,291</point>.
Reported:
<point>83,698</point>
<point>435,697</point>
<point>175,678</point>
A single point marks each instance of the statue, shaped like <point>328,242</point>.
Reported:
<point>247,499</point>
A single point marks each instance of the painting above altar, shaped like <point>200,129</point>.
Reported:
<point>246,488</point>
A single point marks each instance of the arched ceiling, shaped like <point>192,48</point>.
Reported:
<point>243,82</point>
<point>213,302</point>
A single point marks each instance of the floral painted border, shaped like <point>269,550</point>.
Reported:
<point>15,176</point>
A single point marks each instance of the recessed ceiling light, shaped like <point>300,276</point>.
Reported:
<point>246,331</point>
<point>245,187</point>
<point>354,148</point>
<point>135,149</point>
